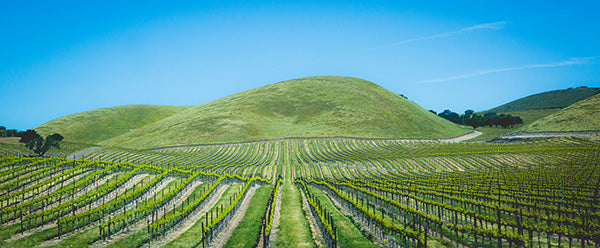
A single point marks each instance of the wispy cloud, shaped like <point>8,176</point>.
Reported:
<point>484,26</point>
<point>571,61</point>
<point>492,26</point>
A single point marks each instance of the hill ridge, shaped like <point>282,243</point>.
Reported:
<point>111,121</point>
<point>554,99</point>
<point>329,106</point>
<point>581,116</point>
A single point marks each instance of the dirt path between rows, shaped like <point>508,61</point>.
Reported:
<point>276,217</point>
<point>175,202</point>
<point>316,233</point>
<point>225,234</point>
<point>27,233</point>
<point>34,182</point>
<point>189,221</point>
<point>85,190</point>
<point>347,212</point>
<point>82,153</point>
<point>157,187</point>
<point>31,195</point>
<point>58,186</point>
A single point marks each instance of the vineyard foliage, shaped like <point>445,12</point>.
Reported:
<point>391,193</point>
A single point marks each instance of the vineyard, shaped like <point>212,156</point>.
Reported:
<point>336,192</point>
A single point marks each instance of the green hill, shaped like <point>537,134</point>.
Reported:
<point>306,107</point>
<point>534,107</point>
<point>100,124</point>
<point>556,99</point>
<point>581,116</point>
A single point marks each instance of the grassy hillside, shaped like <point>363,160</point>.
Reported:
<point>533,108</point>
<point>306,107</point>
<point>531,115</point>
<point>100,124</point>
<point>548,100</point>
<point>11,146</point>
<point>581,116</point>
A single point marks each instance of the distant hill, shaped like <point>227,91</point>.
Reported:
<point>306,107</point>
<point>581,116</point>
<point>537,106</point>
<point>100,124</point>
<point>556,99</point>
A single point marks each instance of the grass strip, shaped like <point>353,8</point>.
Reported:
<point>294,230</point>
<point>246,233</point>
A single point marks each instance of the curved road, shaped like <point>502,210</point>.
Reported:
<point>461,138</point>
<point>81,153</point>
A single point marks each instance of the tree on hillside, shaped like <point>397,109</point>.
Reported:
<point>469,112</point>
<point>449,115</point>
<point>2,131</point>
<point>38,144</point>
<point>476,121</point>
<point>466,116</point>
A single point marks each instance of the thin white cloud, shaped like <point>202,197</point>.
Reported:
<point>571,61</point>
<point>484,26</point>
<point>492,26</point>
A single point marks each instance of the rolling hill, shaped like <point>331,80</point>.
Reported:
<point>581,116</point>
<point>306,107</point>
<point>100,124</point>
<point>556,99</point>
<point>534,107</point>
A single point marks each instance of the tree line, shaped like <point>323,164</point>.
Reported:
<point>470,118</point>
<point>9,132</point>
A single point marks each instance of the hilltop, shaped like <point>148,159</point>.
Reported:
<point>534,107</point>
<point>100,124</point>
<point>581,116</point>
<point>537,106</point>
<point>300,108</point>
<point>556,99</point>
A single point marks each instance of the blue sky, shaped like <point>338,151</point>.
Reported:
<point>63,57</point>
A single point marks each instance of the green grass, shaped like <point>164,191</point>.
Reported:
<point>7,231</point>
<point>100,124</point>
<point>294,230</point>
<point>531,115</point>
<point>191,236</point>
<point>135,240</point>
<point>79,239</point>
<point>32,240</point>
<point>306,107</point>
<point>533,108</point>
<point>581,116</point>
<point>348,234</point>
<point>246,232</point>
<point>556,99</point>
<point>11,145</point>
